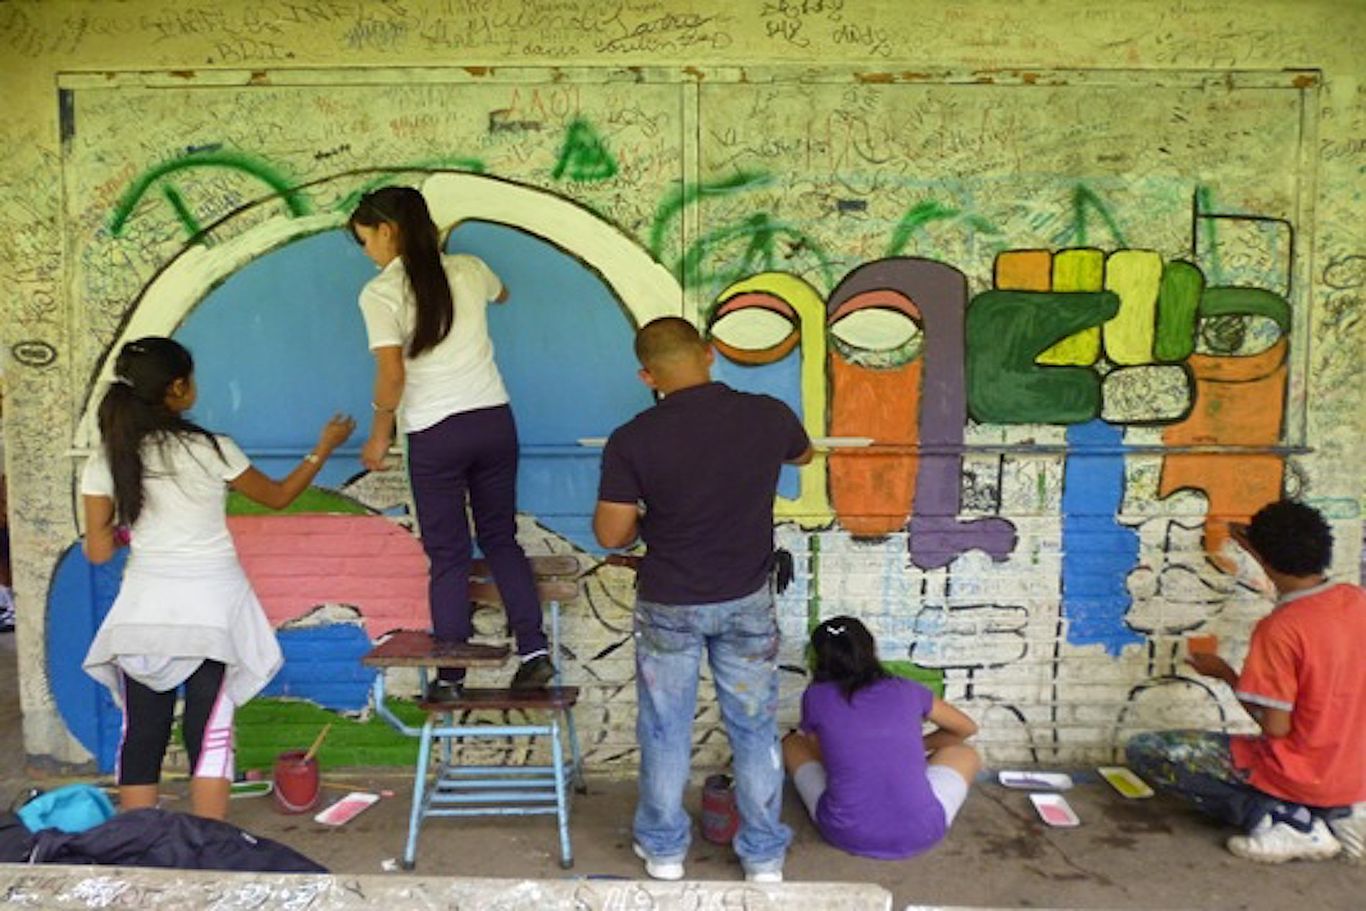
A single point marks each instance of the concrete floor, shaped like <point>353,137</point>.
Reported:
<point>1126,854</point>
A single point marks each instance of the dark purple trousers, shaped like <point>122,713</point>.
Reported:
<point>471,457</point>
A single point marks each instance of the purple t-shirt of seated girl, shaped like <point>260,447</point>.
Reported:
<point>877,800</point>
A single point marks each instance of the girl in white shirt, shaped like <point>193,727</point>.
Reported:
<point>185,613</point>
<point>425,315</point>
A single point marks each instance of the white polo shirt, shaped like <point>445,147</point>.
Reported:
<point>184,494</point>
<point>459,373</point>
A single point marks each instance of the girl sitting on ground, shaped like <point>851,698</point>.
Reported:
<point>872,781</point>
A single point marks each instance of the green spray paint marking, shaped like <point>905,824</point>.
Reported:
<point>584,157</point>
<point>295,201</point>
<point>761,253</point>
<point>927,211</point>
<point>182,210</point>
<point>1204,202</point>
<point>916,217</point>
<point>813,588</point>
<point>680,198</point>
<point>1082,199</point>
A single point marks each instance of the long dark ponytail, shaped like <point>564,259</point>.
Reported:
<point>135,408</point>
<point>844,653</point>
<point>419,245</point>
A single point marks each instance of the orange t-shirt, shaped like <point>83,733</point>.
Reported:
<point>1308,657</point>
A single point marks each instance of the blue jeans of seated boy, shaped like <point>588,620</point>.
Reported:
<point>741,641</point>
<point>1198,766</point>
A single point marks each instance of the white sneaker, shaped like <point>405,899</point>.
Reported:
<point>764,876</point>
<point>1351,834</point>
<point>659,869</point>
<point>1275,843</point>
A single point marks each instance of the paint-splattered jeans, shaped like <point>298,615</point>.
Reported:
<point>1198,766</point>
<point>741,641</point>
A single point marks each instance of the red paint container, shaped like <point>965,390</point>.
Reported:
<point>298,784</point>
<point>720,815</point>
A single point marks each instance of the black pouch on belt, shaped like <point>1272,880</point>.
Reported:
<point>783,570</point>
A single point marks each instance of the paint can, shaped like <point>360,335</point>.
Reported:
<point>298,783</point>
<point>720,814</point>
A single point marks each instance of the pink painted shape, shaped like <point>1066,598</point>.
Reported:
<point>296,563</point>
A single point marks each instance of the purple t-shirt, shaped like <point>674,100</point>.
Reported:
<point>705,462</point>
<point>877,800</point>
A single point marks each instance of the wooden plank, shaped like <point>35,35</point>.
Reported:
<point>555,697</point>
<point>561,590</point>
<point>542,565</point>
<point>419,648</point>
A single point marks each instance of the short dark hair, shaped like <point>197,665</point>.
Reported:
<point>1291,538</point>
<point>666,337</point>
<point>843,652</point>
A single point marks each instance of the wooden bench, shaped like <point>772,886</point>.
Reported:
<point>450,788</point>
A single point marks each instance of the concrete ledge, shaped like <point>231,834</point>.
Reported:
<point>58,887</point>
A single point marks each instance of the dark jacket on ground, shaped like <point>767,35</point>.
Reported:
<point>158,838</point>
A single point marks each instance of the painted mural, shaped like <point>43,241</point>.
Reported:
<point>1046,365</point>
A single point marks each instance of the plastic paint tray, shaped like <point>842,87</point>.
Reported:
<point>1125,782</point>
<point>250,789</point>
<point>1035,781</point>
<point>346,809</point>
<point>1055,810</point>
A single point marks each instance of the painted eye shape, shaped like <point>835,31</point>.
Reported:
<point>878,330</point>
<point>754,329</point>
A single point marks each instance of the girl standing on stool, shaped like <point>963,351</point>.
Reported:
<point>873,784</point>
<point>185,612</point>
<point>425,315</point>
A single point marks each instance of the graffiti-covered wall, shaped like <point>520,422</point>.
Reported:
<point>1059,293</point>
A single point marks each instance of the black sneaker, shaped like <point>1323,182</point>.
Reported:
<point>444,690</point>
<point>534,674</point>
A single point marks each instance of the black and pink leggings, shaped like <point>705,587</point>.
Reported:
<point>147,719</point>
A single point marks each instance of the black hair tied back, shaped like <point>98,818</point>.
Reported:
<point>134,410</point>
<point>845,653</point>
<point>419,246</point>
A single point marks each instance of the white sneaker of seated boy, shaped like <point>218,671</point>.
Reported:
<point>1350,831</point>
<point>1277,842</point>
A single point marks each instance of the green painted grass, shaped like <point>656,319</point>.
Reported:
<point>312,500</point>
<point>931,678</point>
<point>268,727</point>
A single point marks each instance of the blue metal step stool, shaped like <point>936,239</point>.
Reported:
<point>446,787</point>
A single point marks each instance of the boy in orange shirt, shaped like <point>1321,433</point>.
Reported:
<point>1298,790</point>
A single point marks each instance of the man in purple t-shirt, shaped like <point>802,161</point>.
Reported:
<point>695,477</point>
